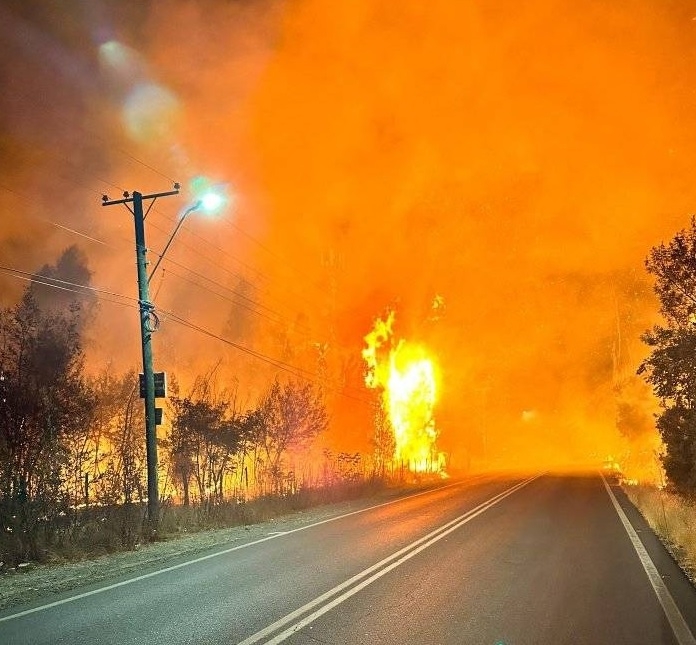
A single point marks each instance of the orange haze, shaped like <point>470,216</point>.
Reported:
<point>515,161</point>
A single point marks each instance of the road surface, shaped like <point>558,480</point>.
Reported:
<point>494,561</point>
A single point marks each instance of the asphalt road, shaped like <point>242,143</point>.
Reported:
<point>493,562</point>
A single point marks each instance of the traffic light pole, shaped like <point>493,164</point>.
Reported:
<point>148,323</point>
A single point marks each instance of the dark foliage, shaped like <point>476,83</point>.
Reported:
<point>671,366</point>
<point>45,401</point>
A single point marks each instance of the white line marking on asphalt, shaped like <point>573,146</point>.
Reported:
<point>377,570</point>
<point>273,536</point>
<point>676,620</point>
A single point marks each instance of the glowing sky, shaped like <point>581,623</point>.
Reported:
<point>518,160</point>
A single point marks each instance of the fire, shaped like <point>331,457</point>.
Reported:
<point>406,376</point>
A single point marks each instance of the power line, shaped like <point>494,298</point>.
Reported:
<point>281,261</point>
<point>239,299</point>
<point>279,364</point>
<point>280,317</point>
<point>190,247</point>
<point>229,299</point>
<point>22,275</point>
<point>51,152</point>
<point>92,133</point>
<point>49,281</point>
<point>195,250</point>
<point>51,222</point>
<point>292,369</point>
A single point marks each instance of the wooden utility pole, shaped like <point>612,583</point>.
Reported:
<point>148,325</point>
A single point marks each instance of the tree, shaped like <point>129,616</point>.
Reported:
<point>676,425</point>
<point>671,366</point>
<point>206,434</point>
<point>383,441</point>
<point>120,416</point>
<point>292,414</point>
<point>241,320</point>
<point>46,406</point>
<point>58,287</point>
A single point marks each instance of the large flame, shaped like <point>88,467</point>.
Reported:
<point>406,376</point>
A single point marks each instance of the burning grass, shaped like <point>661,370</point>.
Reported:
<point>673,519</point>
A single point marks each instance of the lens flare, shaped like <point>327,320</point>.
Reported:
<point>149,112</point>
<point>406,376</point>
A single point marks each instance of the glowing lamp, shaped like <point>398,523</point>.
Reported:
<point>208,198</point>
<point>211,201</point>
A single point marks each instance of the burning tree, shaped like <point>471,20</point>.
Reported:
<point>406,377</point>
<point>671,365</point>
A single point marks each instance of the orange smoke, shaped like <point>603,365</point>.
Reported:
<point>518,158</point>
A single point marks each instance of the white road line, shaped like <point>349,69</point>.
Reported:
<point>377,570</point>
<point>273,536</point>
<point>676,620</point>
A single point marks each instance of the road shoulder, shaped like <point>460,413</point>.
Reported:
<point>674,578</point>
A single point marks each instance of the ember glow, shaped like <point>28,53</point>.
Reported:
<point>406,377</point>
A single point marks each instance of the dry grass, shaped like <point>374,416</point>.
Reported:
<point>90,533</point>
<point>192,531</point>
<point>38,581</point>
<point>672,518</point>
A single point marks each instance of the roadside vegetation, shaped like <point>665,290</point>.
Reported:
<point>671,365</point>
<point>72,454</point>
<point>673,518</point>
<point>670,370</point>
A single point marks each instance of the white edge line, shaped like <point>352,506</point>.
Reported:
<point>676,620</point>
<point>403,554</point>
<point>273,536</point>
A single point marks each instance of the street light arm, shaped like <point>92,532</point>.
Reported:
<point>187,212</point>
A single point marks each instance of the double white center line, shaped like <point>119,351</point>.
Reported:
<point>308,613</point>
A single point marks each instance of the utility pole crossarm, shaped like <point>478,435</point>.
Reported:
<point>127,197</point>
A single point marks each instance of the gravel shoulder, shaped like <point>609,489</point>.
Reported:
<point>36,582</point>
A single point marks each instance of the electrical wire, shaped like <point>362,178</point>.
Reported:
<point>51,222</point>
<point>298,372</point>
<point>195,249</point>
<point>191,248</point>
<point>94,134</point>
<point>33,280</point>
<point>232,300</point>
<point>238,299</point>
<point>49,281</point>
<point>279,318</point>
<point>294,370</point>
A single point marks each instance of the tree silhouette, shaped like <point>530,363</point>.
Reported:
<point>671,366</point>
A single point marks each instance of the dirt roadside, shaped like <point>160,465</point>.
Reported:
<point>35,582</point>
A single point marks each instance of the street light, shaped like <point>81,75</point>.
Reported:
<point>210,201</point>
